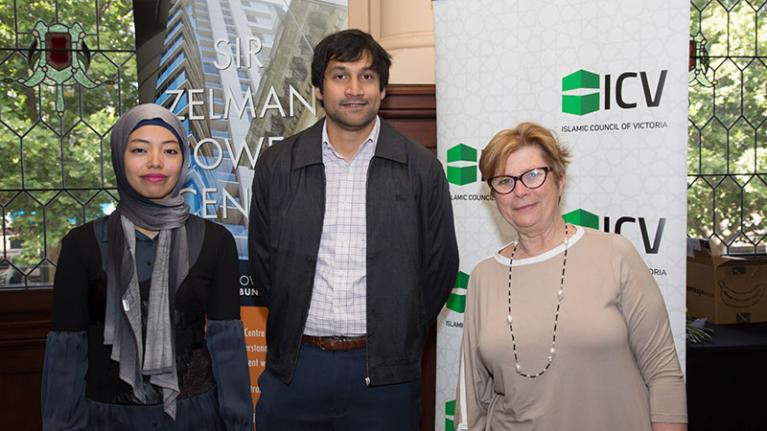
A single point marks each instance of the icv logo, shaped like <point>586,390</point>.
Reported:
<point>457,299</point>
<point>462,165</point>
<point>584,103</point>
<point>580,98</point>
<point>586,219</point>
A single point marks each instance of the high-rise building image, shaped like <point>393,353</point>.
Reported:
<point>238,73</point>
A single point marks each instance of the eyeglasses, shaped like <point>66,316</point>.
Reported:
<point>532,179</point>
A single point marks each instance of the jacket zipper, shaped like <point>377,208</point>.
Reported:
<point>367,294</point>
<point>309,302</point>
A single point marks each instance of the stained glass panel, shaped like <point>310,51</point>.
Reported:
<point>67,71</point>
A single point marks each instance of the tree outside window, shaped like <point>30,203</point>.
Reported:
<point>67,71</point>
<point>727,158</point>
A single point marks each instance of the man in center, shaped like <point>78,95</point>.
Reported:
<point>352,245</point>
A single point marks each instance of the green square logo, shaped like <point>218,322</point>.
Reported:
<point>461,175</point>
<point>580,104</point>
<point>450,415</point>
<point>582,218</point>
<point>457,299</point>
<point>462,165</point>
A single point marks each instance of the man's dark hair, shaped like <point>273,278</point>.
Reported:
<point>346,46</point>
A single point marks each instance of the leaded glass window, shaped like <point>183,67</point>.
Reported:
<point>67,71</point>
<point>727,158</point>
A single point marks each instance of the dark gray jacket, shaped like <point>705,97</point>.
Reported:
<point>412,255</point>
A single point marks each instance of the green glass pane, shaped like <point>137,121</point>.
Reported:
<point>60,121</point>
<point>102,68</point>
<point>70,117</point>
<point>24,220</point>
<point>761,25</point>
<point>727,209</point>
<point>742,148</point>
<point>693,150</point>
<point>61,214</point>
<point>83,196</point>
<point>699,4</point>
<point>7,24</point>
<point>82,157</point>
<point>730,5</point>
<point>42,161</point>
<point>6,197</point>
<point>701,106</point>
<point>694,20</point>
<point>18,103</point>
<point>82,12</point>
<point>102,204</point>
<point>116,25</point>
<point>713,142</point>
<point>742,37</point>
<point>761,156</point>
<point>755,91</point>
<point>727,96</point>
<point>48,113</point>
<point>755,211</point>
<point>128,83</point>
<point>700,209</point>
<point>101,120</point>
<point>714,29</point>
<point>109,174</point>
<point>10,162</point>
<point>28,12</point>
<point>100,105</point>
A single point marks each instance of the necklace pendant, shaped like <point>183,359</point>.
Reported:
<point>560,296</point>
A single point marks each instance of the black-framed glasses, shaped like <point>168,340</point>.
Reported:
<point>532,179</point>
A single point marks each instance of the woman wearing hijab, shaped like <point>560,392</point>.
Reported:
<point>146,326</point>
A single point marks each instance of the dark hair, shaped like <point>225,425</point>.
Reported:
<point>349,45</point>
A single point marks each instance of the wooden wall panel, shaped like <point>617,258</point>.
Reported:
<point>25,319</point>
<point>412,110</point>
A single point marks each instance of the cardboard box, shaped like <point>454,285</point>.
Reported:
<point>726,289</point>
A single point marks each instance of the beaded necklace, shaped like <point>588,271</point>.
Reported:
<point>560,295</point>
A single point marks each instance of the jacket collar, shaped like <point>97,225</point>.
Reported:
<point>308,149</point>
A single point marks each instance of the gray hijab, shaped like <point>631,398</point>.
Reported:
<point>154,357</point>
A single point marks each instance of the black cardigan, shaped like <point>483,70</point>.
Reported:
<point>210,290</point>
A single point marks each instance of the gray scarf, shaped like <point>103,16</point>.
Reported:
<point>154,357</point>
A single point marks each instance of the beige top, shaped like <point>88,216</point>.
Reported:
<point>615,365</point>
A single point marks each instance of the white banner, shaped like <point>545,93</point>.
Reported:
<point>610,78</point>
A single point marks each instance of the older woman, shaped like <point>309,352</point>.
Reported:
<point>146,324</point>
<point>565,329</point>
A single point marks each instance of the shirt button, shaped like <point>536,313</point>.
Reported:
<point>148,263</point>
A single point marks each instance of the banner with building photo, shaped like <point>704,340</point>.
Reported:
<point>610,78</point>
<point>237,73</point>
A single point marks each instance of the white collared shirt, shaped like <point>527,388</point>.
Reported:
<point>338,303</point>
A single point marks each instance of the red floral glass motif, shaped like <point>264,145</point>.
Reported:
<point>59,50</point>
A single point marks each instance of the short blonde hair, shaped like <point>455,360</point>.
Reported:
<point>508,141</point>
